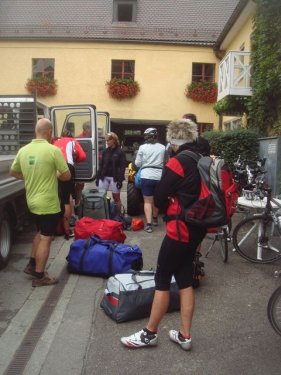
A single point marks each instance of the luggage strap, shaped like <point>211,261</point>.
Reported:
<point>94,240</point>
<point>146,273</point>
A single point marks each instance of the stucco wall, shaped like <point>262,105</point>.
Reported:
<point>243,37</point>
<point>82,69</point>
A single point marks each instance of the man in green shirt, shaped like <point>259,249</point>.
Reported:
<point>40,165</point>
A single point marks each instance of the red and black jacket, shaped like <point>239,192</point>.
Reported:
<point>180,180</point>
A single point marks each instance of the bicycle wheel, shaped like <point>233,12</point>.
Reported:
<point>223,241</point>
<point>258,239</point>
<point>274,310</point>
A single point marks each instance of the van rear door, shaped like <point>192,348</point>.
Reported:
<point>72,118</point>
<point>103,125</point>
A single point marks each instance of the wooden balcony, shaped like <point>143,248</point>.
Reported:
<point>234,74</point>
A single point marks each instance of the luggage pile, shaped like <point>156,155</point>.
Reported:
<point>99,248</point>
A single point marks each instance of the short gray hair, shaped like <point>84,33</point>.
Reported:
<point>182,129</point>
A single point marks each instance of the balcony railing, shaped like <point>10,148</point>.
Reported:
<point>234,74</point>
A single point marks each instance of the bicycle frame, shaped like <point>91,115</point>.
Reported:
<point>263,239</point>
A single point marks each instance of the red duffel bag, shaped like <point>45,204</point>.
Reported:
<point>106,229</point>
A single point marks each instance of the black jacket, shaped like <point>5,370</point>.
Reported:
<point>118,162</point>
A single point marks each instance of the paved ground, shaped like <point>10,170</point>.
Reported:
<point>231,333</point>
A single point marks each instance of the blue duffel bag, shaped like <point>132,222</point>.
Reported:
<point>105,258</point>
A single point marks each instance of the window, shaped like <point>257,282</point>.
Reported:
<point>124,10</point>
<point>205,127</point>
<point>123,69</point>
<point>203,72</point>
<point>43,68</point>
<point>232,124</point>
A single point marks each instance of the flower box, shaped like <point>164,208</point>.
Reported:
<point>42,86</point>
<point>122,88</point>
<point>204,92</point>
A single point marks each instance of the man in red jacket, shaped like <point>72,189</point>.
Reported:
<point>73,153</point>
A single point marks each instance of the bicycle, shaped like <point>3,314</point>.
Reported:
<point>223,237</point>
<point>258,237</point>
<point>274,309</point>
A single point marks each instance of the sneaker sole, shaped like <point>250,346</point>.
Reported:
<point>52,282</point>
<point>184,346</point>
<point>132,345</point>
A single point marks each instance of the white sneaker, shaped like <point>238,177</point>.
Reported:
<point>140,339</point>
<point>148,228</point>
<point>184,343</point>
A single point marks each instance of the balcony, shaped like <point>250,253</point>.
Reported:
<point>234,74</point>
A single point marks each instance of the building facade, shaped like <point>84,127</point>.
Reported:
<point>163,45</point>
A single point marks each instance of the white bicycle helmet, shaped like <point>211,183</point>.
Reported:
<point>150,133</point>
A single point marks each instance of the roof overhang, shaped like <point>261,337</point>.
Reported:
<point>242,13</point>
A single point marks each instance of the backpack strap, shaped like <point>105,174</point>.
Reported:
<point>151,166</point>
<point>193,155</point>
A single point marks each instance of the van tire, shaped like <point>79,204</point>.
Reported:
<point>5,239</point>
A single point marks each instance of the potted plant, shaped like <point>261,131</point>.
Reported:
<point>42,86</point>
<point>232,105</point>
<point>204,92</point>
<point>122,88</point>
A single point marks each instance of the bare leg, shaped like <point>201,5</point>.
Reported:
<point>187,300</point>
<point>35,244</point>
<point>148,202</point>
<point>79,186</point>
<point>117,200</point>
<point>154,210</point>
<point>66,217</point>
<point>42,252</point>
<point>159,307</point>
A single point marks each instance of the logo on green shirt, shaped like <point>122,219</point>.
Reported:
<point>31,160</point>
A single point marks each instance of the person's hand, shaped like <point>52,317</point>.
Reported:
<point>119,185</point>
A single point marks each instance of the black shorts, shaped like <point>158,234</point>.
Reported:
<point>175,259</point>
<point>67,188</point>
<point>46,224</point>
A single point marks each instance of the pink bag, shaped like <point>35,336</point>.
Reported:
<point>106,229</point>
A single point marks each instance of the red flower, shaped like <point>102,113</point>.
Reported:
<point>42,86</point>
<point>205,92</point>
<point>122,88</point>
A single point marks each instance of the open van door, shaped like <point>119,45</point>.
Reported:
<point>74,118</point>
<point>103,125</point>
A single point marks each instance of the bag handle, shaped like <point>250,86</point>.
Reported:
<point>141,273</point>
<point>92,240</point>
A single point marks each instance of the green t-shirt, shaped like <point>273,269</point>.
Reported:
<point>39,162</point>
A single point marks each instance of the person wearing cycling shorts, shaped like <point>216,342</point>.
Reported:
<point>180,179</point>
<point>150,157</point>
